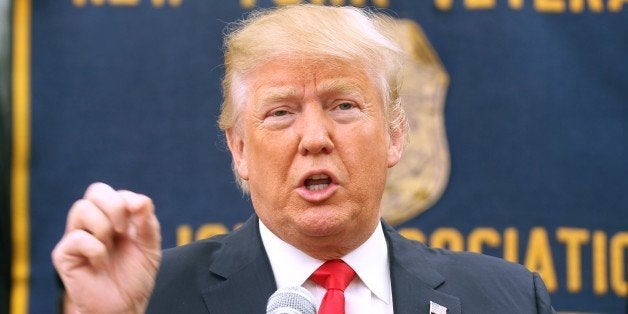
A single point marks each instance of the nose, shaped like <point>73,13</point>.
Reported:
<point>315,130</point>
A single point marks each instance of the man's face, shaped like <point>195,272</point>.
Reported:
<point>314,146</point>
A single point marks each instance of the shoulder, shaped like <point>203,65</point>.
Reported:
<point>481,282</point>
<point>452,264</point>
<point>186,266</point>
<point>182,273</point>
<point>241,244</point>
<point>490,282</point>
<point>187,273</point>
<point>185,255</point>
<point>475,266</point>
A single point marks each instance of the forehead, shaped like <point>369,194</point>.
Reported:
<point>289,76</point>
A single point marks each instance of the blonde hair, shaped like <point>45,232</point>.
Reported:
<point>318,32</point>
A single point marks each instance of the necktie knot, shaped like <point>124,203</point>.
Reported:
<point>334,275</point>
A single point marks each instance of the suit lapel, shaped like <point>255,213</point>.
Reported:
<point>414,282</point>
<point>243,270</point>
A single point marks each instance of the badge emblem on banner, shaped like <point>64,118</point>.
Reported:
<point>421,176</point>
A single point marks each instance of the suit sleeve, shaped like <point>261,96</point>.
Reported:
<point>543,303</point>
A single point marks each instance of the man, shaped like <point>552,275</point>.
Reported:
<point>313,122</point>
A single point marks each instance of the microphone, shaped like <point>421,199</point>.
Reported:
<point>291,300</point>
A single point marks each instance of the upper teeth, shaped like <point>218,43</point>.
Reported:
<point>319,177</point>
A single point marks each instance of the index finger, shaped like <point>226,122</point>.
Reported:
<point>110,203</point>
<point>144,223</point>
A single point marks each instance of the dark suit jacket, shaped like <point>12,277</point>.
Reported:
<point>231,274</point>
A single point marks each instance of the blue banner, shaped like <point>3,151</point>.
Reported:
<point>519,144</point>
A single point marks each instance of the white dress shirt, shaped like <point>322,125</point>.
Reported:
<point>369,292</point>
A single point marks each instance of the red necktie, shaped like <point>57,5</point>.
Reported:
<point>335,276</point>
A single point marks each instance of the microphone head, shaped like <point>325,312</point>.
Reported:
<point>291,300</point>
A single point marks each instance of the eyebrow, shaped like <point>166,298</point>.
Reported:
<point>342,86</point>
<point>275,94</point>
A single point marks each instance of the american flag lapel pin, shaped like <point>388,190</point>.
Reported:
<point>436,308</point>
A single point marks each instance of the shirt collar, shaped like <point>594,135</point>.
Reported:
<point>369,261</point>
<point>283,257</point>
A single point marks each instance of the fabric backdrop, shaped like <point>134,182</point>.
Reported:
<point>527,111</point>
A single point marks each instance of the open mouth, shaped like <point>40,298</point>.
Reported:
<point>317,182</point>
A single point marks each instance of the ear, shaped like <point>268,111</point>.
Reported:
<point>395,147</point>
<point>238,152</point>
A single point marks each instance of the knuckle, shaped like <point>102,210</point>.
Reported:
<point>77,213</point>
<point>81,204</point>
<point>104,196</point>
<point>55,254</point>
<point>108,201</point>
<point>95,188</point>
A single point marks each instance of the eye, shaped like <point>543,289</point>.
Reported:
<point>279,113</point>
<point>279,118</point>
<point>346,106</point>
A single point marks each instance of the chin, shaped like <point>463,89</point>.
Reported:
<point>321,223</point>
